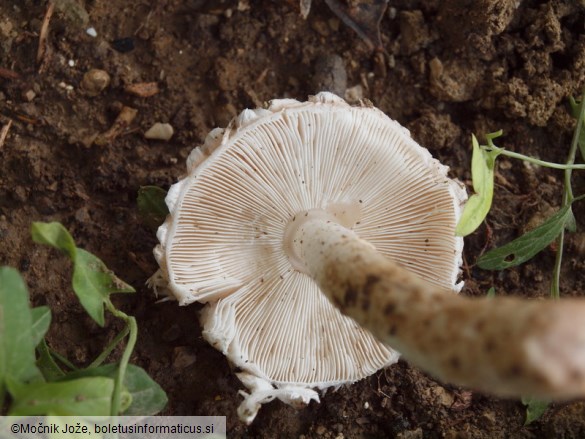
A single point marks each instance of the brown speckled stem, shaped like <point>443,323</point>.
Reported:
<point>503,346</point>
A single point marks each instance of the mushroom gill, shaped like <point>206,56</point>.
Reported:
<point>232,237</point>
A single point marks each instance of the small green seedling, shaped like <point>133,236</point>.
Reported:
<point>531,243</point>
<point>483,162</point>
<point>92,281</point>
<point>151,206</point>
<point>44,382</point>
<point>534,409</point>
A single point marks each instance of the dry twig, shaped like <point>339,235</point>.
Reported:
<point>4,132</point>
<point>44,33</point>
<point>8,74</point>
<point>124,119</point>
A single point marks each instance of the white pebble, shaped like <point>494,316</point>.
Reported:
<point>354,94</point>
<point>67,87</point>
<point>29,95</point>
<point>91,32</point>
<point>160,131</point>
<point>71,63</point>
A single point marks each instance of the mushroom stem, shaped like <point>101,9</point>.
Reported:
<point>503,346</point>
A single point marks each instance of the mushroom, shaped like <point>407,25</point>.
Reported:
<point>301,206</point>
<point>231,239</point>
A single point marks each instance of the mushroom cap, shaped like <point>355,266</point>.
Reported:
<point>225,240</point>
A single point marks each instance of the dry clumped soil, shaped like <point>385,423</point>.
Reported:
<point>444,69</point>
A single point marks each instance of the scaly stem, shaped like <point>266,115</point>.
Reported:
<point>502,345</point>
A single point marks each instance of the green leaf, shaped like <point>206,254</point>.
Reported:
<point>41,320</point>
<point>46,363</point>
<point>491,293</point>
<point>92,281</point>
<point>146,396</point>
<point>482,174</point>
<point>80,397</point>
<point>534,408</point>
<point>55,235</point>
<point>526,246</point>
<point>17,348</point>
<point>152,206</point>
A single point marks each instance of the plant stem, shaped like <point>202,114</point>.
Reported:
<point>133,334</point>
<point>111,346</point>
<point>567,199</point>
<point>569,166</point>
<point>62,359</point>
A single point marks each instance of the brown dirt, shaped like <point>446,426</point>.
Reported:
<point>448,69</point>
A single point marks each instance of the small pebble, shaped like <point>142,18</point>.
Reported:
<point>65,86</point>
<point>91,32</point>
<point>160,131</point>
<point>354,94</point>
<point>29,95</point>
<point>71,63</point>
<point>95,81</point>
<point>183,357</point>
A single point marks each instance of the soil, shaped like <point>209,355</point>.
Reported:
<point>444,69</point>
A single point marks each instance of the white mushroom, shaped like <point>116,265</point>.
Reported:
<point>241,226</point>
